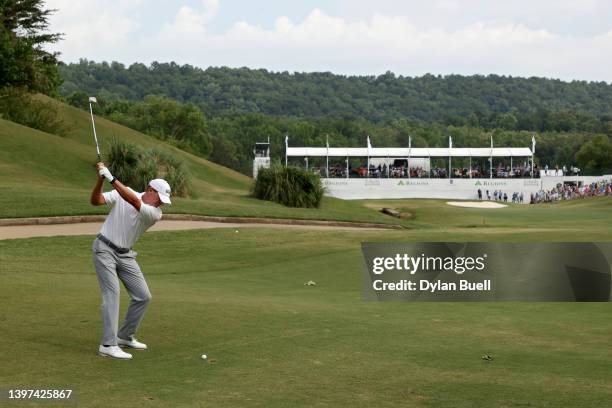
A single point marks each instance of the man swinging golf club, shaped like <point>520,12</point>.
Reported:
<point>131,215</point>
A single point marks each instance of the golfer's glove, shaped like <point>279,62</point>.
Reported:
<point>104,172</point>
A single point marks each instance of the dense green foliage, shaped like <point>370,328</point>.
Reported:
<point>484,101</point>
<point>596,155</point>
<point>136,167</point>
<point>290,186</point>
<point>26,67</point>
<point>24,63</point>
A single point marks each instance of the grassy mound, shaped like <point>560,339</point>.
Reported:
<point>44,174</point>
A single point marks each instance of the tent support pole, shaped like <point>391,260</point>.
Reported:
<point>347,167</point>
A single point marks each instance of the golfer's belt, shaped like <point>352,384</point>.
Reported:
<point>113,246</point>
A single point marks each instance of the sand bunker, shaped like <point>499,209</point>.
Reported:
<point>476,204</point>
<point>92,228</point>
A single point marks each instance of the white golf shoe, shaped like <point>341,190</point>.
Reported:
<point>132,343</point>
<point>113,351</point>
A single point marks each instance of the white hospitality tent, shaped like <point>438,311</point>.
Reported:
<point>411,152</point>
<point>408,152</point>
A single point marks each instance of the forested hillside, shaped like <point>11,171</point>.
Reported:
<point>219,113</point>
<point>487,101</point>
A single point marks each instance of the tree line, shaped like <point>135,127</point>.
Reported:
<point>228,139</point>
<point>489,102</point>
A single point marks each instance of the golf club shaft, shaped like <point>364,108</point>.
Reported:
<point>94,131</point>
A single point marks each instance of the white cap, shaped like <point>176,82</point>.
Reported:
<point>163,189</point>
<point>93,99</point>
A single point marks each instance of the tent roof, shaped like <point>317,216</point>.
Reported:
<point>401,152</point>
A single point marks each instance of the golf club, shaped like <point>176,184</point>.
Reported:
<point>93,125</point>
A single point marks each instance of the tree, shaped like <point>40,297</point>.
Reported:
<point>23,33</point>
<point>594,156</point>
<point>181,124</point>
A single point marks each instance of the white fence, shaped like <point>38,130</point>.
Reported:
<point>457,189</point>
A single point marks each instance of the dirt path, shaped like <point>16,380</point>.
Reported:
<point>91,228</point>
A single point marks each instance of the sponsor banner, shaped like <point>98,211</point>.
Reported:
<point>482,271</point>
<point>492,183</point>
<point>409,182</point>
<point>335,182</point>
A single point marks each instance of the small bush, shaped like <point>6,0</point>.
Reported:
<point>169,168</point>
<point>135,167</point>
<point>123,160</point>
<point>290,186</point>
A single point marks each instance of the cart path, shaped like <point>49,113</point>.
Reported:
<point>92,228</point>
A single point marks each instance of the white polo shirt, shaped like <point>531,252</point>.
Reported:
<point>125,224</point>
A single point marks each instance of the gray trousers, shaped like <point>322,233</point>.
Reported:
<point>110,268</point>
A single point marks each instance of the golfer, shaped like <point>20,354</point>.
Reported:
<point>131,215</point>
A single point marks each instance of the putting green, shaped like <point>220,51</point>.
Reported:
<point>273,342</point>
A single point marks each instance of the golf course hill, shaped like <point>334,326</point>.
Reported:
<point>45,174</point>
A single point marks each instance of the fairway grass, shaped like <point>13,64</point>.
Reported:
<point>273,342</point>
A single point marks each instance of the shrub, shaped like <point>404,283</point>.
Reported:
<point>123,160</point>
<point>168,167</point>
<point>135,167</point>
<point>290,186</point>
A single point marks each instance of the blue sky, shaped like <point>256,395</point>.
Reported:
<point>559,39</point>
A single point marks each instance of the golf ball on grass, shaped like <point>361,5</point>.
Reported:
<point>204,356</point>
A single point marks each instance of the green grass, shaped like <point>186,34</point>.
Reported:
<point>566,220</point>
<point>44,174</point>
<point>273,342</point>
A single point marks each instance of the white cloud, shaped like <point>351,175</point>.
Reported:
<point>91,28</point>
<point>320,41</point>
<point>211,7</point>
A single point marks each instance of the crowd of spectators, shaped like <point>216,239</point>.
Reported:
<point>560,192</point>
<point>570,192</point>
<point>523,171</point>
<point>382,170</point>
<point>498,195</point>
